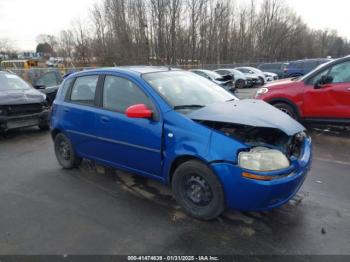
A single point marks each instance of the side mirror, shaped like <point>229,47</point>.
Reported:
<point>325,80</point>
<point>139,111</point>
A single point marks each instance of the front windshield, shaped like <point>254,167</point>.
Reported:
<point>255,70</point>
<point>237,73</point>
<point>245,71</point>
<point>213,75</point>
<point>12,82</point>
<point>180,88</point>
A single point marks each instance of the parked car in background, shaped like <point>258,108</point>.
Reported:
<point>241,80</point>
<point>270,76</point>
<point>277,68</point>
<point>105,115</point>
<point>21,105</point>
<point>322,96</point>
<point>253,72</point>
<point>303,67</point>
<point>46,82</point>
<point>55,62</point>
<point>226,81</point>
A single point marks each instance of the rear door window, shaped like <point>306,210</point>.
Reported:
<point>84,90</point>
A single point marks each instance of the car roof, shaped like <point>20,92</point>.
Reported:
<point>200,70</point>
<point>138,70</point>
<point>228,69</point>
<point>148,69</point>
<point>310,60</point>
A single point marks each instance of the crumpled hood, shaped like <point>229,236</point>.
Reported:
<point>248,112</point>
<point>49,90</point>
<point>19,97</point>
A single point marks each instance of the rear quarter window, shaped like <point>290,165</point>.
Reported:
<point>63,91</point>
<point>84,90</point>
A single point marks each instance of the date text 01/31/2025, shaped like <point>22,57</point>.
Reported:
<point>173,258</point>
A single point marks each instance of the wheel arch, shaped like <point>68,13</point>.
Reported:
<point>288,102</point>
<point>178,161</point>
<point>55,132</point>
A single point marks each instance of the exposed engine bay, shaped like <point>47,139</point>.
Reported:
<point>252,136</point>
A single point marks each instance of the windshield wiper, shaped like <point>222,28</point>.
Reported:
<point>187,107</point>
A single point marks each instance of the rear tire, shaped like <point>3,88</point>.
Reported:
<point>287,109</point>
<point>65,152</point>
<point>198,190</point>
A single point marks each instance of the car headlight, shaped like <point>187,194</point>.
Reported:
<point>262,91</point>
<point>263,159</point>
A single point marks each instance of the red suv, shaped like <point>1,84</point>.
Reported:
<point>322,96</point>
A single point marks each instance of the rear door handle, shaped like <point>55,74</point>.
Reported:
<point>66,110</point>
<point>105,119</point>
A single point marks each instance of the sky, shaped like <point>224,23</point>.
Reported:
<point>23,20</point>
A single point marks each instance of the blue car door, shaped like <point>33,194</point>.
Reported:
<point>129,143</point>
<point>78,112</point>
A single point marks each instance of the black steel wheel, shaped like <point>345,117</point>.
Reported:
<point>198,190</point>
<point>65,152</point>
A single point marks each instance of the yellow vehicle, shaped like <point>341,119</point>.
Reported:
<point>18,64</point>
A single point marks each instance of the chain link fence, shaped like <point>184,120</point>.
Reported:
<point>32,74</point>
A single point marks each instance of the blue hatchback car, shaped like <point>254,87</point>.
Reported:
<point>214,150</point>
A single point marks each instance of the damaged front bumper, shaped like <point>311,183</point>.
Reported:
<point>252,195</point>
<point>14,122</point>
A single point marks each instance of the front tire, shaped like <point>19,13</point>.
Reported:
<point>262,81</point>
<point>240,84</point>
<point>65,152</point>
<point>287,109</point>
<point>198,190</point>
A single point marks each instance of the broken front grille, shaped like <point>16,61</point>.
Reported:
<point>19,110</point>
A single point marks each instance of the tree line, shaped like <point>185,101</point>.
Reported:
<point>181,32</point>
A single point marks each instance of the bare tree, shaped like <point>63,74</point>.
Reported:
<point>194,31</point>
<point>6,46</point>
